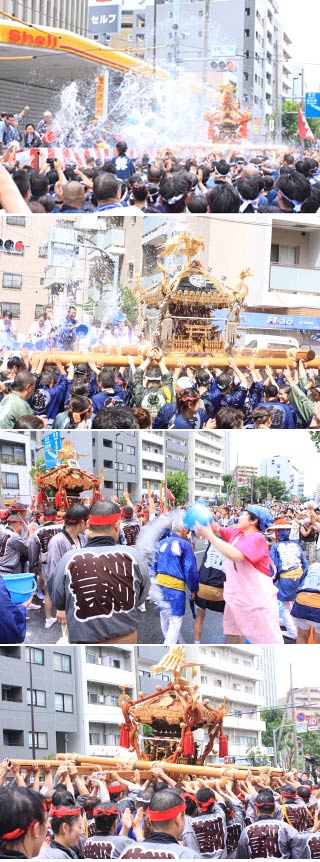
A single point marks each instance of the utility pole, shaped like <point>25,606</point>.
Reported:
<point>33,735</point>
<point>293,714</point>
<point>206,44</point>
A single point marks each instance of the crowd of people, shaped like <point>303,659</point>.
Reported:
<point>260,570</point>
<point>54,178</point>
<point>103,815</point>
<point>36,392</point>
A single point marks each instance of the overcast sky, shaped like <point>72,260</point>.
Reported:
<point>252,446</point>
<point>305,662</point>
<point>301,21</point>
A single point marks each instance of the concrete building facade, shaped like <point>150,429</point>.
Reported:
<point>206,464</point>
<point>53,683</point>
<point>15,466</point>
<point>280,467</point>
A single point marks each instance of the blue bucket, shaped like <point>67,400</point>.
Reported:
<point>21,586</point>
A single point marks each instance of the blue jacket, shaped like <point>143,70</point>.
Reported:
<point>234,399</point>
<point>289,418</point>
<point>48,401</point>
<point>12,618</point>
<point>288,556</point>
<point>175,557</point>
<point>103,398</point>
<point>309,587</point>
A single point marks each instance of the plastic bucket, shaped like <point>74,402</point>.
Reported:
<point>21,586</point>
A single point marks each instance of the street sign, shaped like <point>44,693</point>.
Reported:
<point>302,727</point>
<point>301,716</point>
<point>313,105</point>
<point>270,751</point>
<point>313,722</point>
<point>52,446</point>
<point>104,19</point>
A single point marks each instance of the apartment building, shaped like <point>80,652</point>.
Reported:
<point>205,464</point>
<point>117,455</point>
<point>280,467</point>
<point>46,677</point>
<point>102,675</point>
<point>15,466</point>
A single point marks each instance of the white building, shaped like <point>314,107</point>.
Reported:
<point>235,672</point>
<point>151,452</point>
<point>268,666</point>
<point>15,466</point>
<point>206,464</point>
<point>102,671</point>
<point>280,467</point>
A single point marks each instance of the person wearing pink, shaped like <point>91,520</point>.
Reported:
<point>251,611</point>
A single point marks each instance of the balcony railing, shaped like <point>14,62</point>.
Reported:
<point>294,279</point>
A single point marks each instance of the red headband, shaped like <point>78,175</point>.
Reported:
<point>169,814</point>
<point>50,517</point>
<point>290,795</point>
<point>63,811</point>
<point>265,804</point>
<point>16,833</point>
<point>205,805</point>
<point>106,811</point>
<point>187,795</point>
<point>117,788</point>
<point>103,520</point>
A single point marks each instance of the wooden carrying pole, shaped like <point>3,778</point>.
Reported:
<point>276,359</point>
<point>183,768</point>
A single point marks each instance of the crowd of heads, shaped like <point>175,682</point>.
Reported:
<point>49,812</point>
<point>87,395</point>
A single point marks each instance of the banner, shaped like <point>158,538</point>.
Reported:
<point>67,155</point>
<point>304,128</point>
<point>52,446</point>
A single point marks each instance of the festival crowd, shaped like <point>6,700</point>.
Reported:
<point>218,182</point>
<point>260,569</point>
<point>36,392</point>
<point>102,815</point>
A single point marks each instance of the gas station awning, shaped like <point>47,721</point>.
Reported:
<point>41,48</point>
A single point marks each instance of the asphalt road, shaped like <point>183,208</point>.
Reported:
<point>149,624</point>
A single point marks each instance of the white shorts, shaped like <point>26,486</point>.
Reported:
<point>305,625</point>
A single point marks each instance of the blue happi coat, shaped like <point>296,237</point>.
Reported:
<point>307,603</point>
<point>174,562</point>
<point>287,557</point>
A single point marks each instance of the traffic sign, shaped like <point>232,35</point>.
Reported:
<point>301,716</point>
<point>313,722</point>
<point>302,727</point>
<point>104,19</point>
<point>313,105</point>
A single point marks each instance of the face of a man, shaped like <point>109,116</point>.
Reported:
<point>72,313</point>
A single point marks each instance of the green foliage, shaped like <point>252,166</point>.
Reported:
<point>273,719</point>
<point>267,488</point>
<point>315,436</point>
<point>148,730</point>
<point>178,485</point>
<point>128,304</point>
<point>40,467</point>
<point>290,125</point>
<point>256,756</point>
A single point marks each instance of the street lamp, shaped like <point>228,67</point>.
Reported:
<point>293,80</point>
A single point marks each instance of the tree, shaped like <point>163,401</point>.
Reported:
<point>128,304</point>
<point>178,484</point>
<point>266,487</point>
<point>315,436</point>
<point>228,481</point>
<point>290,127</point>
<point>256,756</point>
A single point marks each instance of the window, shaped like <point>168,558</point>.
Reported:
<point>131,468</point>
<point>204,679</point>
<point>118,466</point>
<point>119,447</point>
<point>13,737</point>
<point>248,689</point>
<point>62,662</point>
<point>40,739</point>
<point>43,251</point>
<point>10,480</point>
<point>236,686</point>
<point>37,655</point>
<point>39,697</point>
<point>107,444</point>
<point>131,450</point>
<point>10,306</point>
<point>217,682</point>
<point>39,310</point>
<point>108,464</point>
<point>245,740</point>
<point>16,220</point>
<point>108,484</point>
<point>63,702</point>
<point>145,673</point>
<point>119,486</point>
<point>12,280</point>
<point>12,453</point>
<point>247,32</point>
<point>10,651</point>
<point>11,693</point>
<point>130,269</point>
<point>285,255</point>
<point>114,662</point>
<point>94,738</point>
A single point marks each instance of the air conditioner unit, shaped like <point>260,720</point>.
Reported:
<point>101,698</point>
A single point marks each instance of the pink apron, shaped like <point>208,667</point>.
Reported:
<point>251,603</point>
